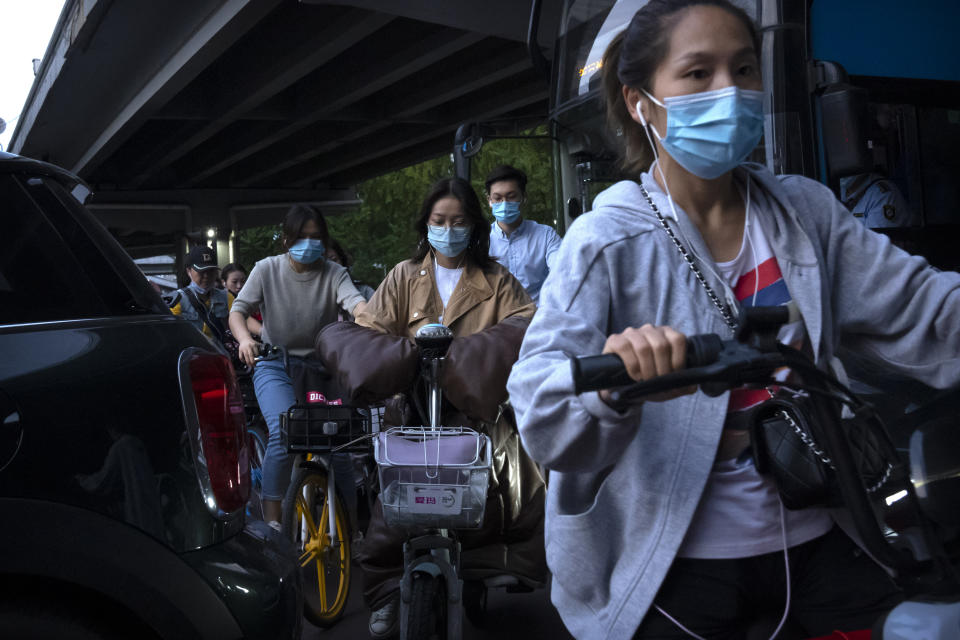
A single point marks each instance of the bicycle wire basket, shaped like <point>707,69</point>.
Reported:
<point>433,478</point>
<point>322,427</point>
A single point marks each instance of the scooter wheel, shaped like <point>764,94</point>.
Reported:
<point>475,602</point>
<point>427,615</point>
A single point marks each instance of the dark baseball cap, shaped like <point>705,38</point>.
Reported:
<point>201,258</point>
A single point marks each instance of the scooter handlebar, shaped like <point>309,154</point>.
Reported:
<point>605,371</point>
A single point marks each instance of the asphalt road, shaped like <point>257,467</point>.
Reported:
<point>510,616</point>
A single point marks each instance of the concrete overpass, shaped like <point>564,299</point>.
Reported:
<point>216,114</point>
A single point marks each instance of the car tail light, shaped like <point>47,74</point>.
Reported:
<point>224,454</point>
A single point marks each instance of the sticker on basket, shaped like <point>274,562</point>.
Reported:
<point>444,500</point>
<point>315,397</point>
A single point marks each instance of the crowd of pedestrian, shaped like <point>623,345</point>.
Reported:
<point>467,272</point>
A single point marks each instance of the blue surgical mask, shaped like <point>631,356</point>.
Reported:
<point>450,241</point>
<point>307,251</point>
<point>710,133</point>
<point>506,212</point>
<point>200,291</point>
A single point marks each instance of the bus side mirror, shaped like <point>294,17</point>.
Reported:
<point>843,112</point>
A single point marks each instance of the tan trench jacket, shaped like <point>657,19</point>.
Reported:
<point>408,299</point>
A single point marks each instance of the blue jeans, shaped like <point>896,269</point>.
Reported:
<point>275,395</point>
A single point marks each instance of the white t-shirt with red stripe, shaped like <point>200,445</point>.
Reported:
<point>739,512</point>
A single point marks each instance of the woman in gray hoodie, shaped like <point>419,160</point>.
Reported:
<point>658,524</point>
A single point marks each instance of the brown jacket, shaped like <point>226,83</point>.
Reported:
<point>408,299</point>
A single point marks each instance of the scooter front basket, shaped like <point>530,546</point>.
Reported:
<point>433,478</point>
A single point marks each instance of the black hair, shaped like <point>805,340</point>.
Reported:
<point>296,217</point>
<point>478,249</point>
<point>230,268</point>
<point>345,258</point>
<point>506,172</point>
<point>633,56</point>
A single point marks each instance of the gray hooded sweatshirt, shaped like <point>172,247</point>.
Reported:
<point>624,487</point>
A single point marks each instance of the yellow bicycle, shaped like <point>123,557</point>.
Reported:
<point>315,517</point>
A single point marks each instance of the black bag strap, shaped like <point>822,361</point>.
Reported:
<point>211,321</point>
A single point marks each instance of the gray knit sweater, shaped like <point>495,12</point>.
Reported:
<point>295,306</point>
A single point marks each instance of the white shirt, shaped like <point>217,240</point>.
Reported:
<point>447,280</point>
<point>739,512</point>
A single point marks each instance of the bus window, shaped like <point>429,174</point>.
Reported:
<point>889,195</point>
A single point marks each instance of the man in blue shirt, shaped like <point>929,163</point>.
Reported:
<point>876,201</point>
<point>526,248</point>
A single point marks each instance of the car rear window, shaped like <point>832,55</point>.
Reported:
<point>50,269</point>
<point>122,283</point>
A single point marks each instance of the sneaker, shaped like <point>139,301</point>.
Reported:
<point>385,621</point>
<point>276,526</point>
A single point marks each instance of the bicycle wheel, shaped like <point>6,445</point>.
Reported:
<point>325,566</point>
<point>427,615</point>
<point>257,441</point>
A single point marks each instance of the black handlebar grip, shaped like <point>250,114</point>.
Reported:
<point>703,349</point>
<point>606,371</point>
<point>591,373</point>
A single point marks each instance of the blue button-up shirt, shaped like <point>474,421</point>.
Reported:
<point>529,253</point>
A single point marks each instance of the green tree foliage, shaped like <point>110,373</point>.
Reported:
<point>379,234</point>
<point>257,243</point>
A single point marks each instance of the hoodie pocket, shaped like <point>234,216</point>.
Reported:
<point>582,549</point>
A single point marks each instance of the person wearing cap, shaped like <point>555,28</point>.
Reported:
<point>526,248</point>
<point>201,303</point>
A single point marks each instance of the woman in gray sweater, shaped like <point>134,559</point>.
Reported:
<point>298,292</point>
<point>657,522</point>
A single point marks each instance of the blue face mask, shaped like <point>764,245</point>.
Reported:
<point>506,212</point>
<point>710,133</point>
<point>307,251</point>
<point>200,291</point>
<point>450,241</point>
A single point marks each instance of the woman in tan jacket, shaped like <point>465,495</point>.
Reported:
<point>452,279</point>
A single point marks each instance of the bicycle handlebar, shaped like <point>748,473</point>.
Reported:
<point>591,373</point>
<point>718,364</point>
<point>268,352</point>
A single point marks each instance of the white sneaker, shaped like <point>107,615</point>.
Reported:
<point>384,622</point>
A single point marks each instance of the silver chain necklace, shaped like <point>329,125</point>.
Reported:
<point>722,308</point>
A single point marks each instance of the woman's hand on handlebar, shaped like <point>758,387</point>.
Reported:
<point>248,351</point>
<point>649,352</point>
